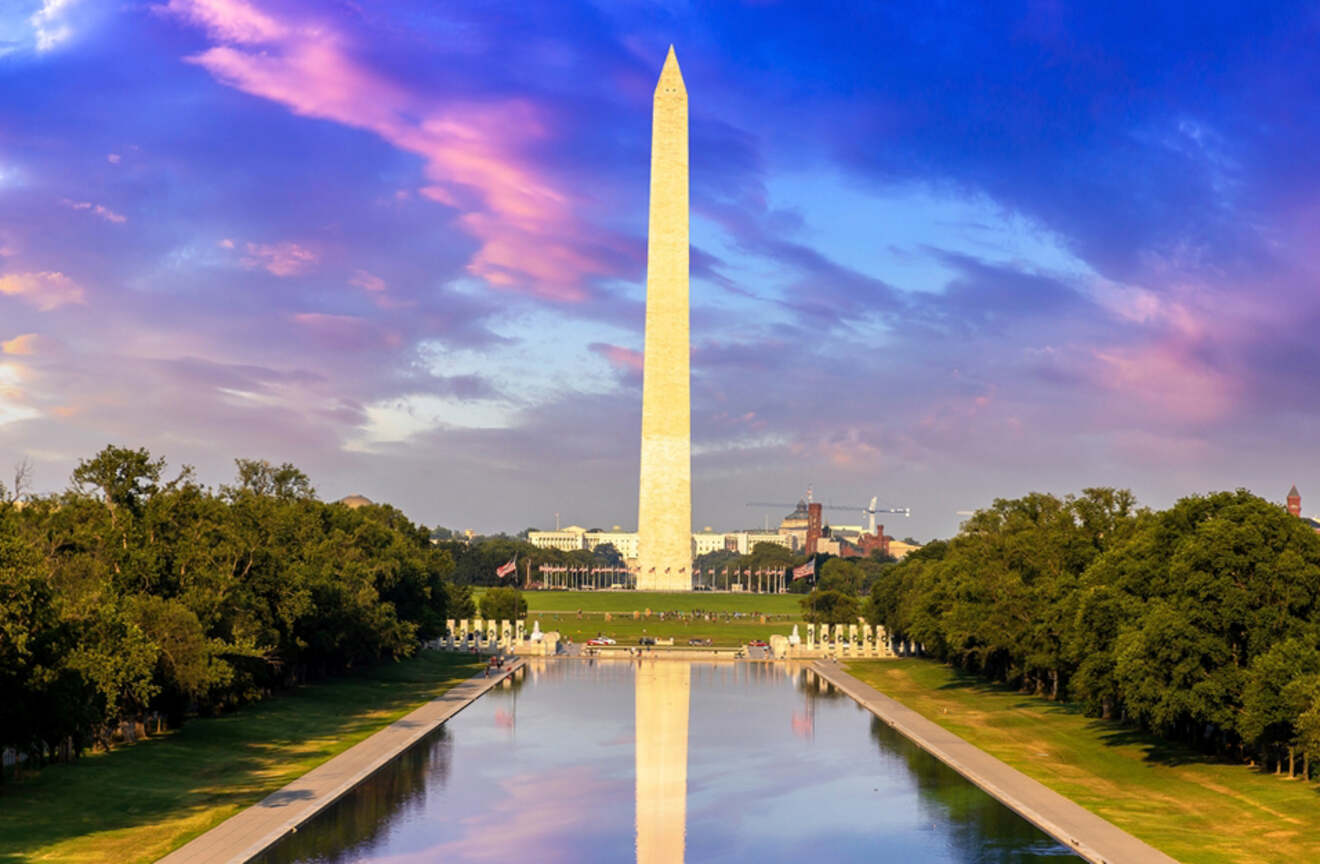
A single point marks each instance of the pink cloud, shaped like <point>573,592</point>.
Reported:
<point>23,344</point>
<point>1168,378</point>
<point>229,20</point>
<point>530,238</point>
<point>99,209</point>
<point>279,259</point>
<point>45,291</point>
<point>622,359</point>
<point>346,332</point>
<point>1170,371</point>
<point>367,282</point>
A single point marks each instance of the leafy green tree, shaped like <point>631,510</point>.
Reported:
<point>284,482</point>
<point>607,555</point>
<point>461,604</point>
<point>124,477</point>
<point>838,574</point>
<point>503,604</point>
<point>830,607</point>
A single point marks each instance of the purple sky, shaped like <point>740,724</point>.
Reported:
<point>939,255</point>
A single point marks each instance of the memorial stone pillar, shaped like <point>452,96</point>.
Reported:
<point>449,632</point>
<point>520,631</point>
<point>811,637</point>
<point>492,634</point>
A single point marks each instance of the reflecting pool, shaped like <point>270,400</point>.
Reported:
<point>662,762</point>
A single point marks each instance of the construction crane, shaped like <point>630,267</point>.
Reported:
<point>866,511</point>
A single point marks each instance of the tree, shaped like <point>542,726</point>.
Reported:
<point>607,555</point>
<point>284,482</point>
<point>22,481</point>
<point>838,574</point>
<point>128,597</point>
<point>829,607</point>
<point>503,604</point>
<point>125,477</point>
<point>461,604</point>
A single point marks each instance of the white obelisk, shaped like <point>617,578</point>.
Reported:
<point>664,507</point>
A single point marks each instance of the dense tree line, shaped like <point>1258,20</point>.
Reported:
<point>1199,623</point>
<point>132,597</point>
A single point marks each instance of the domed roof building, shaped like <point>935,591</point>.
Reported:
<point>355,501</point>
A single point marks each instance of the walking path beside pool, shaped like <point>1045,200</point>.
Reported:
<point>1095,839</point>
<point>255,829</point>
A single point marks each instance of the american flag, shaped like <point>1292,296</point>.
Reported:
<point>808,569</point>
<point>508,568</point>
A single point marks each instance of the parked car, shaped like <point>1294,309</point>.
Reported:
<point>601,640</point>
<point>758,643</point>
<point>646,640</point>
<point>695,641</point>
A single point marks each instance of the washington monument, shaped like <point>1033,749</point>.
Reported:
<point>664,506</point>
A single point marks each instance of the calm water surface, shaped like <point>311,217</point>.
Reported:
<point>662,762</point>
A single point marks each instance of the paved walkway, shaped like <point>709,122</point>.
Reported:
<point>251,831</point>
<point>1095,839</point>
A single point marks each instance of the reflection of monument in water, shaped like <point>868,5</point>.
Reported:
<point>664,499</point>
<point>661,721</point>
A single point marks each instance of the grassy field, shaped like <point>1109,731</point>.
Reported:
<point>722,632</point>
<point>659,601</point>
<point>136,803</point>
<point>580,615</point>
<point>1195,809</point>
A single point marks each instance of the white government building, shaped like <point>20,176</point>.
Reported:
<point>575,537</point>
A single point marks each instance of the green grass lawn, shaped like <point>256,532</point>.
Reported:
<point>1196,809</point>
<point>657,601</point>
<point>136,803</point>
<point>722,633</point>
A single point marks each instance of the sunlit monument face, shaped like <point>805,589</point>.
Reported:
<point>664,509</point>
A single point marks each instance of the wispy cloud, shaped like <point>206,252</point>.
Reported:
<point>50,24</point>
<point>367,282</point>
<point>472,150</point>
<point>99,209</point>
<point>278,259</point>
<point>623,359</point>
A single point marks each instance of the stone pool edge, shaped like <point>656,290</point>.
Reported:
<point>251,831</point>
<point>1092,837</point>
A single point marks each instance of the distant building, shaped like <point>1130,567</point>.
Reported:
<point>568,539</point>
<point>815,524</point>
<point>899,549</point>
<point>1295,508</point>
<point>624,541</point>
<point>355,501</point>
<point>706,541</point>
<point>875,542</point>
<point>575,537</point>
<point>745,541</point>
<point>795,525</point>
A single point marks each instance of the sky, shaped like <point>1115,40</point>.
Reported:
<point>941,252</point>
